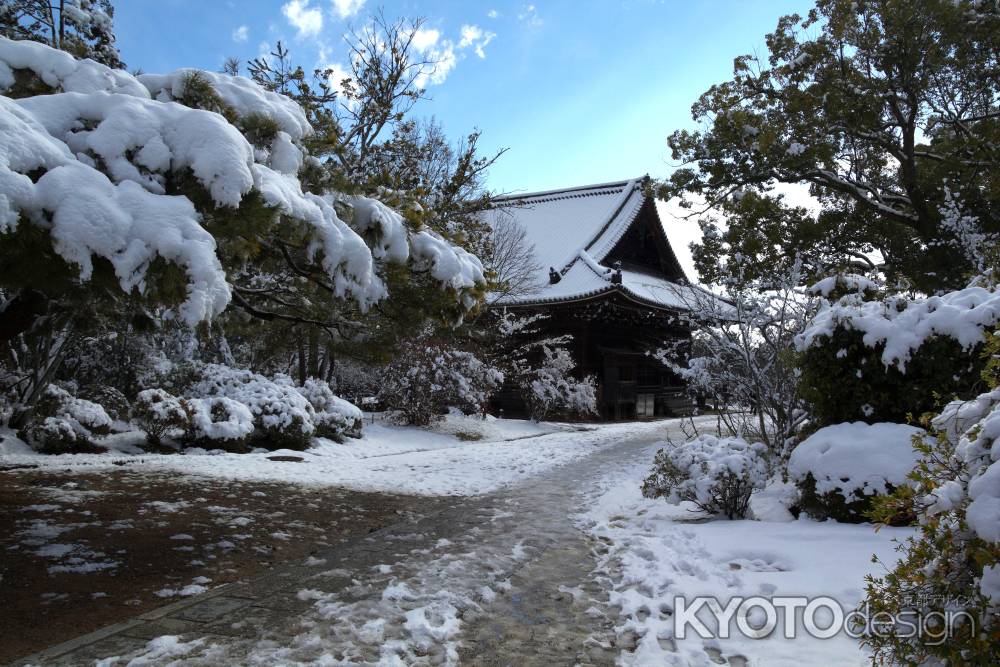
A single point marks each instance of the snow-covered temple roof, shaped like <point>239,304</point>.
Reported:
<point>574,230</point>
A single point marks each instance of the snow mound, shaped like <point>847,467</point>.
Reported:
<point>856,456</point>
<point>62,71</point>
<point>903,326</point>
<point>241,94</point>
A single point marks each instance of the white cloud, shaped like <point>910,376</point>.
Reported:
<point>241,34</point>
<point>444,59</point>
<point>492,14</point>
<point>308,21</point>
<point>347,8</point>
<point>425,38</point>
<point>446,53</point>
<point>336,76</point>
<point>477,38</point>
<point>529,16</point>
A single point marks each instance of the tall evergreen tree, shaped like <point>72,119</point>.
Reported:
<point>888,110</point>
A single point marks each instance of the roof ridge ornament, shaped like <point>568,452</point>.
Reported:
<point>554,276</point>
<point>616,277</point>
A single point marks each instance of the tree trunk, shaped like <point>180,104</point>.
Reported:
<point>313,353</point>
<point>303,375</point>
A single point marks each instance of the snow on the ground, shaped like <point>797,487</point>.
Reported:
<point>658,551</point>
<point>393,459</point>
<point>11,445</point>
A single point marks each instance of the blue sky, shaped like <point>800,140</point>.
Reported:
<point>580,92</point>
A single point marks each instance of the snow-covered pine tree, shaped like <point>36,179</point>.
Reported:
<point>83,28</point>
<point>109,195</point>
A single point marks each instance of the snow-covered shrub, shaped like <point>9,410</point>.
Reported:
<point>882,360</point>
<point>953,565</point>
<point>424,380</point>
<point>58,402</point>
<point>356,380</point>
<point>65,423</point>
<point>552,390</point>
<point>160,414</point>
<point>219,422</point>
<point>717,474</point>
<point>284,415</point>
<point>840,469</point>
<point>58,435</point>
<point>114,402</point>
<point>334,417</point>
<point>283,418</point>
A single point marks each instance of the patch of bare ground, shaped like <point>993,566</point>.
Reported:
<point>82,550</point>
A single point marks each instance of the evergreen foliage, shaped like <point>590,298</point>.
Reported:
<point>953,564</point>
<point>886,111</point>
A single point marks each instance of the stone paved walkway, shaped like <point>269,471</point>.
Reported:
<point>503,579</point>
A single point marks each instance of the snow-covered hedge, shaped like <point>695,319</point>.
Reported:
<point>717,474</point>
<point>879,360</point>
<point>281,414</point>
<point>954,564</point>
<point>66,423</point>
<point>839,468</point>
<point>898,327</point>
<point>424,380</point>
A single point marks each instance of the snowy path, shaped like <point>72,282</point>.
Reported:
<point>500,579</point>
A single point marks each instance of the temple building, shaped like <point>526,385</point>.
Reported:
<point>609,277</point>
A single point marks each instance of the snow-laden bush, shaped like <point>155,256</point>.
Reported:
<point>334,417</point>
<point>114,402</point>
<point>58,402</point>
<point>282,414</point>
<point>954,563</point>
<point>160,414</point>
<point>65,423</point>
<point>840,469</point>
<point>219,422</point>
<point>880,360</point>
<point>552,390</point>
<point>58,435</point>
<point>717,474</point>
<point>283,418</point>
<point>424,380</point>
